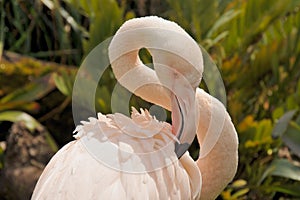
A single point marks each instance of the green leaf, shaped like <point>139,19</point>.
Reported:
<point>32,91</point>
<point>282,168</point>
<point>282,124</point>
<point>240,193</point>
<point>292,138</point>
<point>64,82</point>
<point>287,189</point>
<point>226,17</point>
<point>17,116</point>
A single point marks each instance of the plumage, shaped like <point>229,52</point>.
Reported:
<point>117,157</point>
<point>73,173</point>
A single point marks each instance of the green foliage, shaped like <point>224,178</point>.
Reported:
<point>58,30</point>
<point>105,18</point>
<point>193,16</point>
<point>25,97</point>
<point>29,29</point>
<point>22,100</point>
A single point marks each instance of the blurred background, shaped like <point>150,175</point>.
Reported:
<point>255,44</point>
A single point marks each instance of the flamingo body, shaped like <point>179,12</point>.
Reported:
<point>141,151</point>
<point>73,173</point>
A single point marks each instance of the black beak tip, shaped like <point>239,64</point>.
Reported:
<point>180,149</point>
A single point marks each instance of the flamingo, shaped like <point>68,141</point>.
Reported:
<point>134,173</point>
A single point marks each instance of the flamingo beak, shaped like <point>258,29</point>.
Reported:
<point>182,96</point>
<point>183,121</point>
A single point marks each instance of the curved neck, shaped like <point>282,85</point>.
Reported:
<point>169,45</point>
<point>178,64</point>
<point>219,146</point>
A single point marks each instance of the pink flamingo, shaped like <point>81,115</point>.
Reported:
<point>75,173</point>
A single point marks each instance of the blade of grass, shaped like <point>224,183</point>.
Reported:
<point>226,17</point>
<point>2,29</point>
<point>77,27</point>
<point>25,36</point>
